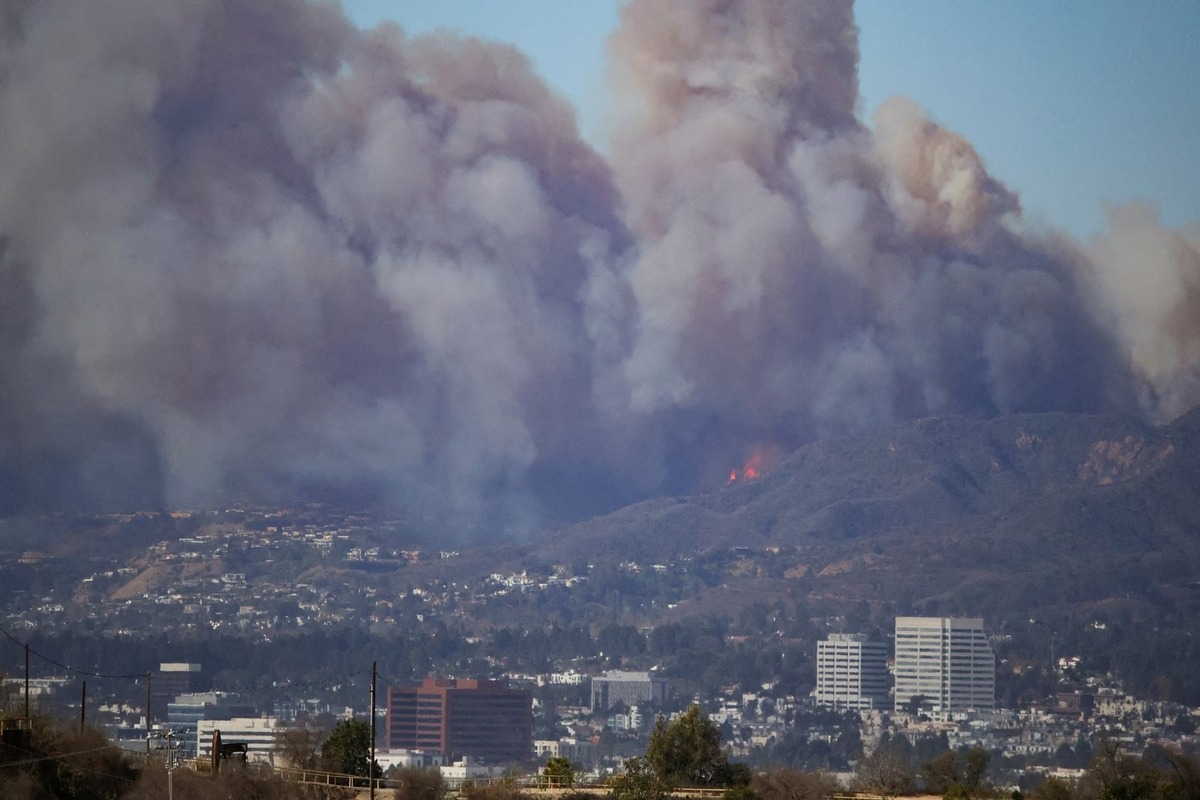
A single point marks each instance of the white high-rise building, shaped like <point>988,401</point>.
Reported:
<point>851,672</point>
<point>946,661</point>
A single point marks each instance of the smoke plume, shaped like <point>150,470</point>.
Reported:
<point>249,253</point>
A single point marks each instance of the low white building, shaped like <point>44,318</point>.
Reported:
<point>568,678</point>
<point>423,759</point>
<point>258,733</point>
<point>574,750</point>
<point>458,773</point>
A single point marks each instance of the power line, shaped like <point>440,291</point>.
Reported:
<point>388,680</point>
<point>60,757</point>
<point>349,679</point>
<point>67,667</point>
<point>78,767</point>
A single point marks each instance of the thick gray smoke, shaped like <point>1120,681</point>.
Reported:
<point>250,253</point>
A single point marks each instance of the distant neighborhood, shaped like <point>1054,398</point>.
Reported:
<point>261,624</point>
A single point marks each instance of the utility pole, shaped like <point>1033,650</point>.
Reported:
<point>171,746</point>
<point>371,766</point>
<point>27,680</point>
<point>173,759</point>
<point>147,712</point>
<point>83,706</point>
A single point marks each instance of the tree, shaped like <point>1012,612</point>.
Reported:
<point>348,748</point>
<point>741,791</point>
<point>299,746</point>
<point>640,781</point>
<point>977,760</point>
<point>954,773</point>
<point>417,783</point>
<point>687,752</point>
<point>63,762</point>
<point>941,772</point>
<point>1159,773</point>
<point>913,705</point>
<point>790,784</point>
<point>1053,789</point>
<point>1113,775</point>
<point>1181,776</point>
<point>884,772</point>
<point>558,773</point>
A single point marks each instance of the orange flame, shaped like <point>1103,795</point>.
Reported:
<point>752,470</point>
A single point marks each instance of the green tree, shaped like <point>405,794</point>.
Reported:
<point>741,791</point>
<point>687,752</point>
<point>1053,789</point>
<point>913,705</point>
<point>640,781</point>
<point>977,760</point>
<point>558,773</point>
<point>63,762</point>
<point>348,748</point>
<point>956,774</point>
<point>941,772</point>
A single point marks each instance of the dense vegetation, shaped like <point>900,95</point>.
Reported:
<point>54,761</point>
<point>59,762</point>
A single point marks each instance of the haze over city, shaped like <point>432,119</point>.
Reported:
<point>268,253</point>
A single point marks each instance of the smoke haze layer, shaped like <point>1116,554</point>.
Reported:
<point>251,253</point>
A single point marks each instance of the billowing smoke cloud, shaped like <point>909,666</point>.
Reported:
<point>1147,287</point>
<point>248,252</point>
<point>257,253</point>
<point>798,273</point>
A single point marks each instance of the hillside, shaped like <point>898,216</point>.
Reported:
<point>1073,534</point>
<point>951,514</point>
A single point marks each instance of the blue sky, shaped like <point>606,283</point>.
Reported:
<point>1073,104</point>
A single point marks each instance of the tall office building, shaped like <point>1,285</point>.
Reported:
<point>851,672</point>
<point>171,680</point>
<point>945,661</point>
<point>480,719</point>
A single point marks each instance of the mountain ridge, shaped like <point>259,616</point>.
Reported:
<point>1058,489</point>
<point>1057,529</point>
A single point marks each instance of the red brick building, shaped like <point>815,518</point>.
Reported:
<point>480,719</point>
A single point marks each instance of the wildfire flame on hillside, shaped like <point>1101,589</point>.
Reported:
<point>760,460</point>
